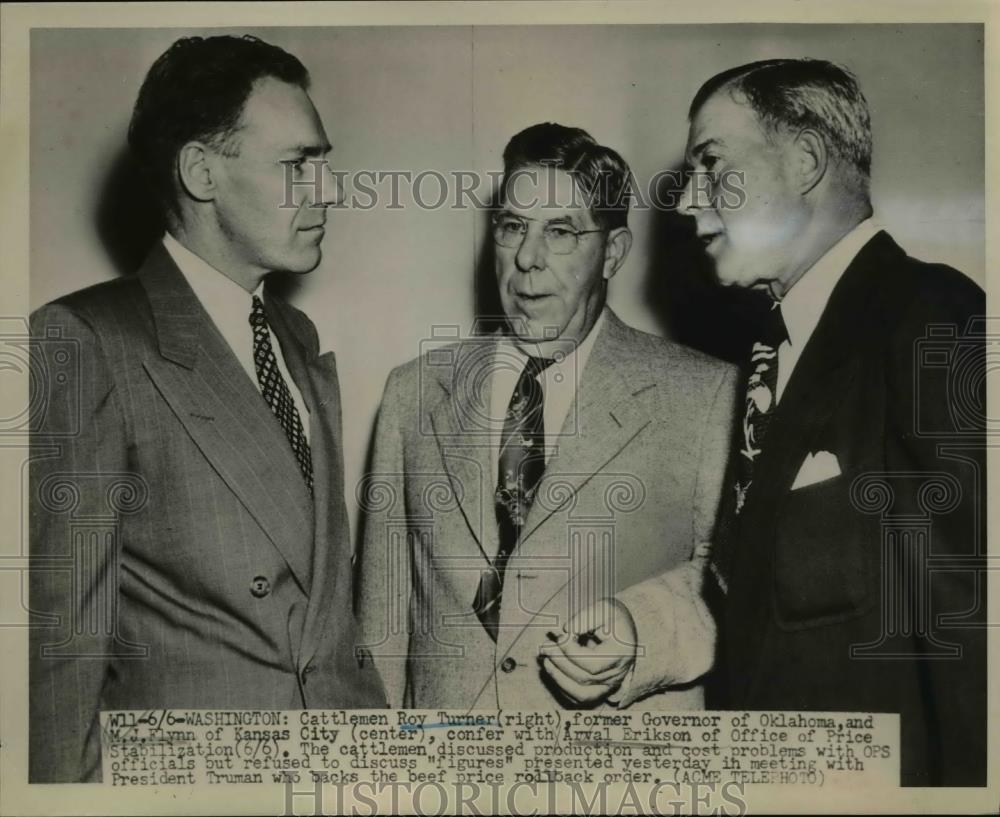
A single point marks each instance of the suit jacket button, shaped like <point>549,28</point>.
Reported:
<point>259,587</point>
<point>508,664</point>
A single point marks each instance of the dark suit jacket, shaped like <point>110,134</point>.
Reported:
<point>861,592</point>
<point>176,557</point>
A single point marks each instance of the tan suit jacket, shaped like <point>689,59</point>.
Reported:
<point>629,493</point>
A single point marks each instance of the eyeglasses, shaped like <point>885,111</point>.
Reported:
<point>510,231</point>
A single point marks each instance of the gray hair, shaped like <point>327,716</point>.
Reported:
<point>803,93</point>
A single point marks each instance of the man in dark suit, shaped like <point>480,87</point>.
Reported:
<point>849,571</point>
<point>189,539</point>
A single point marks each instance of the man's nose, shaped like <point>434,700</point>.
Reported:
<point>325,188</point>
<point>531,253</point>
<point>333,187</point>
<point>686,206</point>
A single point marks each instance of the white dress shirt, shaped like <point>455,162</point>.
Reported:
<point>560,385</point>
<point>804,303</point>
<point>228,305</point>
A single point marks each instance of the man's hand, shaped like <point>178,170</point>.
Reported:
<point>594,653</point>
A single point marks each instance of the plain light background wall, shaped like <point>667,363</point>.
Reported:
<point>448,99</point>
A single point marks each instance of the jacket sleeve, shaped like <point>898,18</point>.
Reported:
<point>77,472</point>
<point>676,633</point>
<point>385,579</point>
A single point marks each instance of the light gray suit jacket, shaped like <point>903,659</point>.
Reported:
<point>627,498</point>
<point>177,559</point>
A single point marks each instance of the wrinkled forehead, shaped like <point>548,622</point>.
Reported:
<point>545,193</point>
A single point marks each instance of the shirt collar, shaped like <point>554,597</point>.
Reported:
<point>217,292</point>
<point>805,301</point>
<point>575,359</point>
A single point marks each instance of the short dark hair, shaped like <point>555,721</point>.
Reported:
<point>800,93</point>
<point>601,174</point>
<point>197,89</point>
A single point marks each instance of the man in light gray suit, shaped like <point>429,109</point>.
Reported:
<point>189,541</point>
<point>539,498</point>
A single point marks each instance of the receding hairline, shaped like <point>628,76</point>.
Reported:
<point>310,148</point>
<point>735,94</point>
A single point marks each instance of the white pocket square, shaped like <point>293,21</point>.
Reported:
<point>816,468</point>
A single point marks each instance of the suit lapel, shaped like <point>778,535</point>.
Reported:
<point>316,378</point>
<point>464,431</point>
<point>826,372</point>
<point>803,411</point>
<point>333,550</point>
<point>223,412</point>
<point>610,410</point>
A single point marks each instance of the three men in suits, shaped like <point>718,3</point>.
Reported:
<point>848,574</point>
<point>189,540</point>
<point>539,498</point>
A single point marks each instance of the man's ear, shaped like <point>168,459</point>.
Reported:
<point>810,159</point>
<point>196,171</point>
<point>616,250</point>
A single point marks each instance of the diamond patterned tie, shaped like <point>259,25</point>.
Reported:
<point>275,390</point>
<point>761,398</point>
<point>522,463</point>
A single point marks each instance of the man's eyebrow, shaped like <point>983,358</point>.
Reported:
<point>311,150</point>
<point>698,149</point>
<point>563,219</point>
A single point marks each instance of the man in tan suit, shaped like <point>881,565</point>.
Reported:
<point>538,497</point>
<point>189,540</point>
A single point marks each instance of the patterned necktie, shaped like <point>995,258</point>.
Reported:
<point>275,391</point>
<point>522,463</point>
<point>761,397</point>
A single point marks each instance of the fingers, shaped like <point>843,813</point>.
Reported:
<point>592,656</point>
<point>594,621</point>
<point>607,620</point>
<point>590,652</point>
<point>586,666</point>
<point>581,693</point>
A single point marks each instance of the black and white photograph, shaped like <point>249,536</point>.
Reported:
<point>554,412</point>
